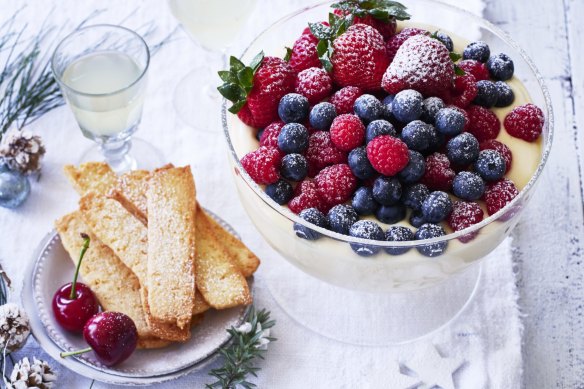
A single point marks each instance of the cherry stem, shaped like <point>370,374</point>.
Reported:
<point>76,352</point>
<point>86,240</point>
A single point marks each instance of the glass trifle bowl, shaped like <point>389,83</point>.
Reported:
<point>384,298</point>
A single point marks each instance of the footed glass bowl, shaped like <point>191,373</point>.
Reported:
<point>331,258</point>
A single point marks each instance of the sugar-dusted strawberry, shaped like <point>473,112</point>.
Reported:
<point>421,63</point>
<point>439,175</point>
<point>388,155</point>
<point>256,90</point>
<point>314,83</point>
<point>270,135</point>
<point>464,214</point>
<point>394,43</point>
<point>463,91</point>
<point>499,194</point>
<point>379,14</point>
<point>263,164</point>
<point>344,99</point>
<point>322,152</point>
<point>306,196</point>
<point>335,184</point>
<point>503,149</point>
<point>347,132</point>
<point>525,122</point>
<point>477,69</point>
<point>303,54</point>
<point>483,123</point>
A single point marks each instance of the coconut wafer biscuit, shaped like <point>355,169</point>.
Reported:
<point>171,245</point>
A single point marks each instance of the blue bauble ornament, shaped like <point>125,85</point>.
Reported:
<point>14,188</point>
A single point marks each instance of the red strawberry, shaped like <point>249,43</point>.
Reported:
<point>314,83</point>
<point>525,122</point>
<point>359,58</point>
<point>335,184</point>
<point>347,132</point>
<point>388,155</point>
<point>395,42</point>
<point>463,91</point>
<point>263,165</point>
<point>304,53</point>
<point>421,63</point>
<point>483,123</point>
<point>385,28</point>
<point>439,175</point>
<point>344,99</point>
<point>322,152</point>
<point>477,69</point>
<point>270,135</point>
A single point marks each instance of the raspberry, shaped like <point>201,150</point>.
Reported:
<point>347,132</point>
<point>465,214</point>
<point>270,135</point>
<point>335,184</point>
<point>394,43</point>
<point>498,194</point>
<point>525,122</point>
<point>322,152</point>
<point>305,196</point>
<point>439,175</point>
<point>304,53</point>
<point>344,98</point>
<point>464,91</point>
<point>388,155</point>
<point>477,69</point>
<point>314,83</point>
<point>493,144</point>
<point>263,164</point>
<point>483,123</point>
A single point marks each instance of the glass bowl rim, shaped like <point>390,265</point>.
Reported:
<point>285,212</point>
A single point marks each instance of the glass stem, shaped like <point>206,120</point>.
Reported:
<point>116,155</point>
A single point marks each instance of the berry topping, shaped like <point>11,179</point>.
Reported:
<point>294,167</point>
<point>305,196</point>
<point>293,108</point>
<point>414,195</point>
<point>335,184</point>
<point>463,149</point>
<point>487,94</point>
<point>314,216</point>
<point>430,108</point>
<point>415,168</point>
<point>493,144</point>
<point>387,191</point>
<point>344,99</point>
<point>505,95</point>
<point>366,229</point>
<point>304,55</point>
<point>450,121</point>
<point>500,67</point>
<point>465,214</point>
<point>314,83</point>
<point>263,164</point>
<point>363,201</point>
<point>280,191</point>
<point>490,165</point>
<point>407,105</point>
<point>525,122</point>
<point>477,69</point>
<point>368,108</point>
<point>429,231</point>
<point>398,234</point>
<point>438,175</point>
<point>436,207</point>
<point>498,194</point>
<point>293,138</point>
<point>464,90</point>
<point>445,39</point>
<point>468,186</point>
<point>377,128</point>
<point>388,155</point>
<point>360,165</point>
<point>322,116</point>
<point>341,217</point>
<point>479,51</point>
<point>418,135</point>
<point>347,132</point>
<point>322,152</point>
<point>483,123</point>
<point>394,43</point>
<point>391,214</point>
<point>417,219</point>
<point>421,63</point>
<point>270,134</point>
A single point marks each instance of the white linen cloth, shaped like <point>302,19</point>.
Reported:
<point>486,337</point>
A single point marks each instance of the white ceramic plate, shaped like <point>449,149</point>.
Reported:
<point>51,268</point>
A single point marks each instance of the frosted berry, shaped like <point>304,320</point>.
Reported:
<point>293,138</point>
<point>429,231</point>
<point>468,186</point>
<point>477,69</point>
<point>450,121</point>
<point>505,95</point>
<point>341,217</point>
<point>335,184</point>
<point>438,175</point>
<point>293,108</point>
<point>398,234</point>
<point>322,152</point>
<point>525,122</point>
<point>360,165</point>
<point>498,194</point>
<point>387,190</point>
<point>306,196</point>
<point>415,168</point>
<point>493,144</point>
<point>379,127</point>
<point>500,67</point>
<point>487,94</point>
<point>388,155</point>
<point>418,135</point>
<point>363,201</point>
<point>294,167</point>
<point>394,43</point>
<point>391,214</point>
<point>430,108</point>
<point>347,132</point>
<point>417,219</point>
<point>407,105</point>
<point>344,99</point>
<point>483,123</point>
<point>263,164</point>
<point>270,134</point>
<point>445,39</point>
<point>464,91</point>
<point>465,214</point>
<point>479,51</point>
<point>368,108</point>
<point>463,149</point>
<point>314,216</point>
<point>281,191</point>
<point>366,229</point>
<point>436,207</point>
<point>314,83</point>
<point>322,115</point>
<point>414,195</point>
<point>490,165</point>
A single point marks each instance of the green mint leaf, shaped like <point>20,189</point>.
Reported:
<point>320,31</point>
<point>458,71</point>
<point>256,61</point>
<point>288,54</point>
<point>455,56</point>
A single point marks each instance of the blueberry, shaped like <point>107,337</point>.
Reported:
<point>280,191</point>
<point>468,186</point>
<point>259,134</point>
<point>359,163</point>
<point>417,219</point>
<point>379,127</point>
<point>407,105</point>
<point>429,231</point>
<point>430,108</point>
<point>294,167</point>
<point>398,234</point>
<point>414,195</point>
<point>322,116</point>
<point>363,201</point>
<point>436,207</point>
<point>314,216</point>
<point>450,121</point>
<point>293,138</point>
<point>341,217</point>
<point>505,95</point>
<point>500,67</point>
<point>415,168</point>
<point>463,149</point>
<point>386,190</point>
<point>366,229</point>
<point>390,214</point>
<point>486,93</point>
<point>293,108</point>
<point>478,51</point>
<point>418,135</point>
<point>445,39</point>
<point>436,140</point>
<point>368,108</point>
<point>387,112</point>
<point>490,165</point>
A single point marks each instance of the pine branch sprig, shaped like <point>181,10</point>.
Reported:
<point>248,345</point>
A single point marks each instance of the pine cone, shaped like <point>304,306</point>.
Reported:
<point>22,151</point>
<point>14,327</point>
<point>37,375</point>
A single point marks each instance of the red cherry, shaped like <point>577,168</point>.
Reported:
<point>111,335</point>
<point>72,314</point>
